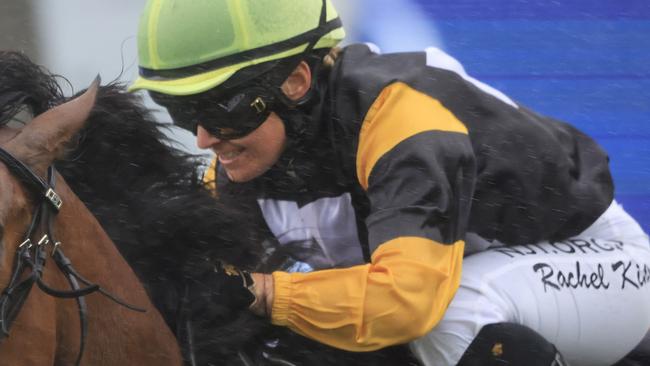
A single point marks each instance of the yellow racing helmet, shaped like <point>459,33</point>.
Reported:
<point>187,47</point>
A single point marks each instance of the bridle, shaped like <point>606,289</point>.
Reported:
<point>30,257</point>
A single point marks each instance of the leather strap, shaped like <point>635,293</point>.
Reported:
<point>33,256</point>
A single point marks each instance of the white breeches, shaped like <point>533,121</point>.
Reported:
<point>588,295</point>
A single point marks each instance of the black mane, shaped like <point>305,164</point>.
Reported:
<point>149,198</point>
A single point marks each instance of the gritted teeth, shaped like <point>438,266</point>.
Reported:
<point>229,155</point>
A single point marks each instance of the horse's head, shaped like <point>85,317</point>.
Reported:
<point>28,210</point>
<point>37,145</point>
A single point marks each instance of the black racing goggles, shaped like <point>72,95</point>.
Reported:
<point>227,116</point>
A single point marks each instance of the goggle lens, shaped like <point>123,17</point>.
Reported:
<point>232,116</point>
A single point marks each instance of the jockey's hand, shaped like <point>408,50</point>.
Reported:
<point>221,286</point>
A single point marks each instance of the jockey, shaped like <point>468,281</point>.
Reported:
<point>428,207</point>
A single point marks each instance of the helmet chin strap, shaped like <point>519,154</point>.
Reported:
<point>301,121</point>
<point>296,115</point>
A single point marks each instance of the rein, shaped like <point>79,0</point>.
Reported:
<point>30,258</point>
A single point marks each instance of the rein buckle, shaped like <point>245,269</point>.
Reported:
<point>56,246</point>
<point>44,240</point>
<point>27,242</point>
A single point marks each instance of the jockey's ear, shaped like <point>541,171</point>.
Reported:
<point>43,140</point>
<point>298,82</point>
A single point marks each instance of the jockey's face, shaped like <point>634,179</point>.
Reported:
<point>248,157</point>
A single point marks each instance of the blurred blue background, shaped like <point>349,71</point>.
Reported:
<point>586,62</point>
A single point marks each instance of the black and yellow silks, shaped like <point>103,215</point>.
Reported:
<point>424,155</point>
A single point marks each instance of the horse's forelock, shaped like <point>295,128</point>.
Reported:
<point>43,139</point>
<point>25,84</point>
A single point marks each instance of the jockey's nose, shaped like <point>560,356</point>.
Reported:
<point>204,139</point>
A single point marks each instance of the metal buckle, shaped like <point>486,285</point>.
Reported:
<point>56,246</point>
<point>44,240</point>
<point>259,105</point>
<point>27,242</point>
<point>54,198</point>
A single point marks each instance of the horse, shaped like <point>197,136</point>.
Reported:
<point>149,197</point>
<point>40,219</point>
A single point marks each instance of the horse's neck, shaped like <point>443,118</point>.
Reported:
<point>116,335</point>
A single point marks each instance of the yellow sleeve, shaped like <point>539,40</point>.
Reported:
<point>399,296</point>
<point>416,163</point>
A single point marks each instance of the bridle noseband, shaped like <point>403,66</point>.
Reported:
<point>30,257</point>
